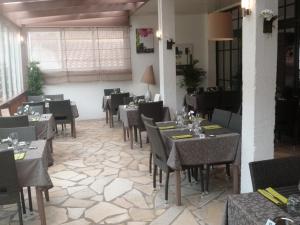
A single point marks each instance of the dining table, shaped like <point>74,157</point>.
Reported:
<point>218,145</point>
<point>254,209</point>
<point>129,115</point>
<point>32,171</point>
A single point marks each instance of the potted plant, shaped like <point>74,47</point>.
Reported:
<point>35,80</point>
<point>192,77</point>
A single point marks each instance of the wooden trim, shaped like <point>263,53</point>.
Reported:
<point>13,103</point>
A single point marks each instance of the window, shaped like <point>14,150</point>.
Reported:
<point>11,80</point>
<point>229,56</point>
<point>82,54</point>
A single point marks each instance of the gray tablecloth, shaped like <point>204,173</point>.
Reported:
<point>45,126</point>
<point>251,209</point>
<point>196,151</point>
<point>33,169</point>
<point>130,115</point>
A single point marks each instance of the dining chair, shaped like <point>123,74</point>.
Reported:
<point>221,117</point>
<point>116,101</point>
<point>36,106</point>
<point>108,92</point>
<point>149,121</point>
<point>9,187</point>
<point>26,134</point>
<point>230,100</point>
<point>62,113</point>
<point>58,97</point>
<point>235,123</point>
<point>274,173</point>
<point>35,98</point>
<point>152,110</point>
<point>14,121</point>
<point>207,102</point>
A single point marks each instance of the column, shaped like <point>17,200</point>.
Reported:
<point>167,60</point>
<point>259,84</point>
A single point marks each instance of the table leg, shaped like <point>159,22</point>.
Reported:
<point>40,204</point>
<point>106,116</point>
<point>124,132</point>
<point>131,136</point>
<point>178,187</point>
<point>236,179</point>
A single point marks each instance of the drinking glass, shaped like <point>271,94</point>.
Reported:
<point>14,139</point>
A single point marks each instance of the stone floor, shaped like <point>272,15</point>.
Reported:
<point>98,179</point>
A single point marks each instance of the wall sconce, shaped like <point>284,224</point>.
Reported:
<point>246,7</point>
<point>158,34</point>
<point>170,44</point>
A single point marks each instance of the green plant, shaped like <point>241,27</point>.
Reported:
<point>35,80</point>
<point>192,76</point>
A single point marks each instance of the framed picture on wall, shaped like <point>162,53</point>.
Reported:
<point>184,57</point>
<point>144,40</point>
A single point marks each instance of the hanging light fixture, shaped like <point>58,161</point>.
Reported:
<point>220,26</point>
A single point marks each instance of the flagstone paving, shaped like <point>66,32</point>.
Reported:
<point>98,179</point>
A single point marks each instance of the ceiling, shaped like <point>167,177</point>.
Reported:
<point>32,13</point>
<point>187,6</point>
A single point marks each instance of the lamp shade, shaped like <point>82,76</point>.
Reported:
<point>148,76</point>
<point>220,27</point>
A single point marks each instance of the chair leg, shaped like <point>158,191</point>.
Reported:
<point>140,136</point>
<point>47,195</point>
<point>160,176</point>
<point>150,162</point>
<point>73,129</point>
<point>207,177</point>
<point>189,175</point>
<point>154,176</point>
<point>29,199</point>
<point>228,170</point>
<point>135,134</point>
<point>20,212</point>
<point>23,201</point>
<point>167,186</point>
<point>201,178</point>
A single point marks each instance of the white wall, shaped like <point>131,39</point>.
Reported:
<point>88,96</point>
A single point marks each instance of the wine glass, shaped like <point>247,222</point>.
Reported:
<point>14,139</point>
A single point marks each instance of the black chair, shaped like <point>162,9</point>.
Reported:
<point>14,121</point>
<point>36,106</point>
<point>35,98</point>
<point>221,117</point>
<point>149,121</point>
<point>27,134</point>
<point>9,187</point>
<point>207,102</point>
<point>152,110</point>
<point>275,173</point>
<point>108,92</point>
<point>58,97</point>
<point>62,113</point>
<point>116,101</point>
<point>230,100</point>
<point>235,123</point>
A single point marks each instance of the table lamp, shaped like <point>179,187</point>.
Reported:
<point>148,78</point>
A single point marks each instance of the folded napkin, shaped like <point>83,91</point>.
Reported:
<point>212,127</point>
<point>268,196</point>
<point>19,156</point>
<point>167,127</point>
<point>182,136</point>
<point>278,196</point>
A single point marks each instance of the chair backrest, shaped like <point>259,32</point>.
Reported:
<point>110,91</point>
<point>127,100</point>
<point>24,133</point>
<point>9,187</point>
<point>158,147</point>
<point>275,172</point>
<point>117,100</point>
<point>152,110</point>
<point>221,117</point>
<point>35,98</point>
<point>14,121</point>
<point>207,101</point>
<point>156,98</point>
<point>147,120</point>
<point>61,110</point>
<point>58,97</point>
<point>36,106</point>
<point>230,100</point>
<point>235,123</point>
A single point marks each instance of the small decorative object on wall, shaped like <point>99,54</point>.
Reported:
<point>144,40</point>
<point>269,18</point>
<point>184,57</point>
<point>170,44</point>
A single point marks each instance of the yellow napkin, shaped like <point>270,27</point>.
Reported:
<point>280,197</point>
<point>19,156</point>
<point>269,196</point>
<point>167,127</point>
<point>182,136</point>
<point>211,127</point>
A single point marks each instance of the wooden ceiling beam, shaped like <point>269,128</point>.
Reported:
<point>52,19</point>
<point>57,4</point>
